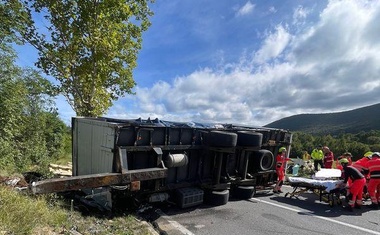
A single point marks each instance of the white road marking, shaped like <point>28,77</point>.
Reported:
<point>319,217</point>
<point>182,229</point>
<point>175,224</point>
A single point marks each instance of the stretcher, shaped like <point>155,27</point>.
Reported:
<point>328,190</point>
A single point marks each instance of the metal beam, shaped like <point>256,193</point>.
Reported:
<point>96,180</point>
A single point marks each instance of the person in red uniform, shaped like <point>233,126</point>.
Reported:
<point>374,179</point>
<point>346,155</point>
<point>362,166</point>
<point>357,185</point>
<point>328,158</point>
<point>281,160</point>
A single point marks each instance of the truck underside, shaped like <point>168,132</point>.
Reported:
<point>153,160</point>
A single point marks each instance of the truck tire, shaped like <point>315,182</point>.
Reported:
<point>263,160</point>
<point>217,198</point>
<point>222,139</point>
<point>249,139</point>
<point>244,192</point>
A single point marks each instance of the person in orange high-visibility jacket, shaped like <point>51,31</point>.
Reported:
<point>281,160</point>
<point>357,185</point>
<point>362,166</point>
<point>374,179</point>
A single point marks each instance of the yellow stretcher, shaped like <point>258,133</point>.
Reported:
<point>328,190</point>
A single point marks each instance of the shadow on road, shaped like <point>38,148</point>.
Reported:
<point>312,205</point>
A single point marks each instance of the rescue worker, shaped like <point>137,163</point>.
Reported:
<point>317,156</point>
<point>328,158</point>
<point>338,166</point>
<point>362,166</point>
<point>306,156</point>
<point>281,160</point>
<point>357,185</point>
<point>346,155</point>
<point>374,179</point>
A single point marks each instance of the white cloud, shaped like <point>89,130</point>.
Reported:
<point>330,65</point>
<point>300,14</point>
<point>311,59</point>
<point>273,45</point>
<point>246,9</point>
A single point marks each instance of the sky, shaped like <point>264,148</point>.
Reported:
<point>251,62</point>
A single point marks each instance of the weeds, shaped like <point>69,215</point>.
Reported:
<point>23,214</point>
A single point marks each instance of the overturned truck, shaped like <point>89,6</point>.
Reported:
<point>154,160</point>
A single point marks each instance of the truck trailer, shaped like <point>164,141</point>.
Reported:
<point>144,160</point>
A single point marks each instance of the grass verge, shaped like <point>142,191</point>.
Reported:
<point>27,214</point>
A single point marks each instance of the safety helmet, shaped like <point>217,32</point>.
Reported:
<point>343,161</point>
<point>375,154</point>
<point>368,154</point>
<point>282,149</point>
<point>347,154</point>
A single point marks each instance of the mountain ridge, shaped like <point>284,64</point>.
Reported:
<point>353,121</point>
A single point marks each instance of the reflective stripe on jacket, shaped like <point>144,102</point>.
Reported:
<point>374,168</point>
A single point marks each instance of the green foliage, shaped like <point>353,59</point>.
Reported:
<point>363,119</point>
<point>356,144</point>
<point>31,134</point>
<point>46,214</point>
<point>65,156</point>
<point>356,131</point>
<point>13,18</point>
<point>90,48</point>
<point>24,215</point>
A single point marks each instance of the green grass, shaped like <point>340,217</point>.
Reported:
<point>63,160</point>
<point>23,214</point>
<point>66,154</point>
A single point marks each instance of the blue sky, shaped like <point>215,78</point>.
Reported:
<point>251,62</point>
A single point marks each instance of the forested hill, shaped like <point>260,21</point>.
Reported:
<point>354,121</point>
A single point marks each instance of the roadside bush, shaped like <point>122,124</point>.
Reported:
<point>7,152</point>
<point>49,214</point>
<point>357,144</point>
<point>31,133</point>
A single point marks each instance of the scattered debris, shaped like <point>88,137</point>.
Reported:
<point>14,182</point>
<point>61,170</point>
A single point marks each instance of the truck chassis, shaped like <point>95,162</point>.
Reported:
<point>153,160</point>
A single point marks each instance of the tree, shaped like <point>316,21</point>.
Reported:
<point>13,18</point>
<point>91,46</point>
<point>12,94</point>
<point>31,132</point>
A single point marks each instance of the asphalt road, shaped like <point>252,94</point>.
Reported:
<point>268,213</point>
